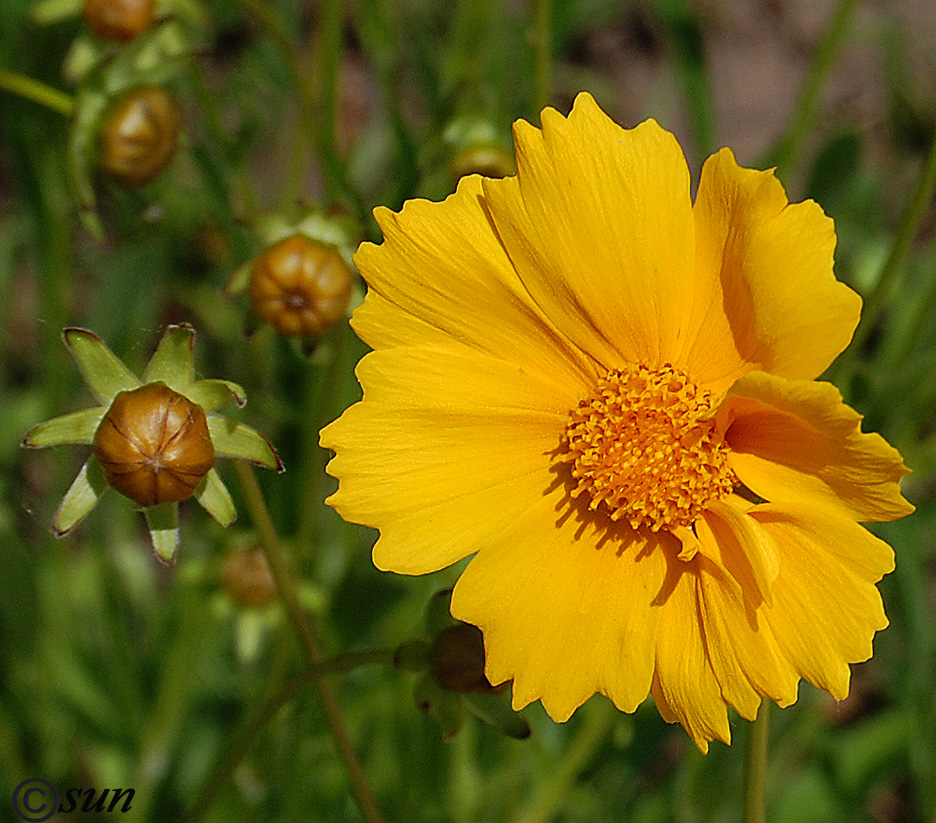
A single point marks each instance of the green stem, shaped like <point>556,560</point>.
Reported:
<point>543,55</point>
<point>269,542</point>
<point>255,726</point>
<point>755,766</point>
<point>325,93</point>
<point>38,92</point>
<point>786,151</point>
<point>558,789</point>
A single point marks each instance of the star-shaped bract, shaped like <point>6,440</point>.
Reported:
<point>107,377</point>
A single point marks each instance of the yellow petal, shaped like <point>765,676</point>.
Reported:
<point>441,277</point>
<point>565,607</point>
<point>826,607</point>
<point>774,303</point>
<point>446,450</point>
<point>757,562</point>
<point>684,686</point>
<point>741,647</point>
<point>598,224</point>
<point>796,441</point>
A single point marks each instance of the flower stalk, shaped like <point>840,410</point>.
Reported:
<point>755,766</point>
<point>269,542</point>
<point>38,92</point>
<point>255,726</point>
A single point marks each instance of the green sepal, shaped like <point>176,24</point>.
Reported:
<point>85,55</point>
<point>104,373</point>
<point>232,439</point>
<point>82,496</point>
<point>340,232</point>
<point>495,710</point>
<point>154,58</point>
<point>210,394</point>
<point>189,10</point>
<point>163,524</point>
<point>215,499</point>
<point>447,709</point>
<point>78,427</point>
<point>172,363</point>
<point>238,281</point>
<point>273,227</point>
<point>44,12</point>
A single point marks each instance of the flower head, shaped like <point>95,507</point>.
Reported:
<point>605,393</point>
<point>154,440</point>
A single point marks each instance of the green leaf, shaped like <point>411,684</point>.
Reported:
<point>236,440</point>
<point>77,427</point>
<point>215,499</point>
<point>210,394</point>
<point>163,523</point>
<point>172,363</point>
<point>81,497</point>
<point>104,373</point>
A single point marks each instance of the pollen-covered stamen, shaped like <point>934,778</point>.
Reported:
<point>642,449</point>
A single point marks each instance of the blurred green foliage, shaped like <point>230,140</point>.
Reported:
<point>117,672</point>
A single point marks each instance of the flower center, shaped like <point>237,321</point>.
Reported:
<point>641,449</point>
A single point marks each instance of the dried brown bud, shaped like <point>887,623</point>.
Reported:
<point>140,135</point>
<point>154,445</point>
<point>118,19</point>
<point>300,286</point>
<point>456,659</point>
<point>246,577</point>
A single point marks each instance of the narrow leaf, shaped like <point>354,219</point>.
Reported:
<point>82,496</point>
<point>77,427</point>
<point>215,499</point>
<point>104,373</point>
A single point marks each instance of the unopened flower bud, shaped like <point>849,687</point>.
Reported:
<point>456,659</point>
<point>140,135</point>
<point>246,577</point>
<point>300,286</point>
<point>154,445</point>
<point>118,19</point>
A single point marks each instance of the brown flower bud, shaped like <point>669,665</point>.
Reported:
<point>154,445</point>
<point>118,19</point>
<point>300,286</point>
<point>140,135</point>
<point>456,659</point>
<point>246,577</point>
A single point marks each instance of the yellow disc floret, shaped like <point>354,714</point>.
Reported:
<point>642,447</point>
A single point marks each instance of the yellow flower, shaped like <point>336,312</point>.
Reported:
<point>605,393</point>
